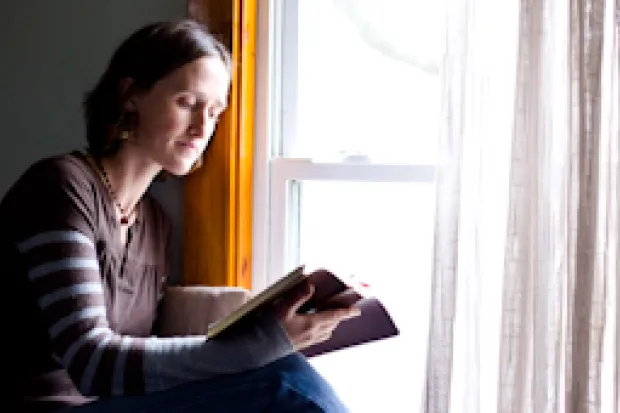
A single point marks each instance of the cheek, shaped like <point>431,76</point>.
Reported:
<point>171,122</point>
<point>174,125</point>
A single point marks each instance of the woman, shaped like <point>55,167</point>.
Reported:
<point>85,253</point>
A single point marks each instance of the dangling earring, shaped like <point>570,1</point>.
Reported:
<point>126,124</point>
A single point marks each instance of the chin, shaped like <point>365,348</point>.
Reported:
<point>180,168</point>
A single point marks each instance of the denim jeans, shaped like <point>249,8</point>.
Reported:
<point>288,385</point>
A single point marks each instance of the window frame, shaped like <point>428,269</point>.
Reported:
<point>276,175</point>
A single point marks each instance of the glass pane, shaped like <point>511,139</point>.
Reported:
<point>362,89</point>
<point>382,233</point>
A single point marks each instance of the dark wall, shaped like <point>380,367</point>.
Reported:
<point>52,52</point>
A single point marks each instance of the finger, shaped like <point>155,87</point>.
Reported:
<point>350,312</point>
<point>337,314</point>
<point>325,336</point>
<point>344,299</point>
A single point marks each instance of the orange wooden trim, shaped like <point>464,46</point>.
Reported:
<point>247,40</point>
<point>233,108</point>
<point>207,212</point>
<point>218,196</point>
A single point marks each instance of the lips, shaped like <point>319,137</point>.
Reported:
<point>190,148</point>
<point>189,145</point>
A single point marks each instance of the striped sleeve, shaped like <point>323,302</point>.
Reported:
<point>62,265</point>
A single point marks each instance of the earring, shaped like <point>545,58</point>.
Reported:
<point>126,125</point>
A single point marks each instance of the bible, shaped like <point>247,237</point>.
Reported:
<point>330,291</point>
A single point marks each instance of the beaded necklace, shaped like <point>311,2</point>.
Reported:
<point>125,215</point>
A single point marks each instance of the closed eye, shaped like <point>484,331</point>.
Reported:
<point>186,102</point>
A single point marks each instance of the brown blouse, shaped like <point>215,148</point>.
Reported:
<point>63,202</point>
<point>80,306</point>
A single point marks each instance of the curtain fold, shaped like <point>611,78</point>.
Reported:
<point>525,288</point>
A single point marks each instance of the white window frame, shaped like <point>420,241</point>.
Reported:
<point>275,174</point>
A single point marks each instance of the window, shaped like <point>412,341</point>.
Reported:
<point>347,124</point>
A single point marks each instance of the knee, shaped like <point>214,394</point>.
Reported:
<point>297,376</point>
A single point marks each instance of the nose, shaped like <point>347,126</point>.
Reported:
<point>199,123</point>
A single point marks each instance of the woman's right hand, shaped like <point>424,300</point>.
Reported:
<point>305,330</point>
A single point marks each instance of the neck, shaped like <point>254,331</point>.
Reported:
<point>130,175</point>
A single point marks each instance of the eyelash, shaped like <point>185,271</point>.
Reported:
<point>186,102</point>
<point>191,104</point>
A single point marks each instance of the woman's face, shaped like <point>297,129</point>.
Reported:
<point>177,116</point>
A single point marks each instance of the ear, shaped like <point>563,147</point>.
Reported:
<point>125,91</point>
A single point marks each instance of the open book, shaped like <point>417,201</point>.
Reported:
<point>330,291</point>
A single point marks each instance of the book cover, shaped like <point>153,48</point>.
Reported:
<point>331,291</point>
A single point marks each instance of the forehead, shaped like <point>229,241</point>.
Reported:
<point>207,77</point>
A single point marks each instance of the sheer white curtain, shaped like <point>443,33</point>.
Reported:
<point>525,289</point>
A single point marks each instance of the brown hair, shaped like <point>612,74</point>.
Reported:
<point>148,55</point>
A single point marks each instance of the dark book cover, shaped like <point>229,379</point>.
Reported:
<point>330,292</point>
